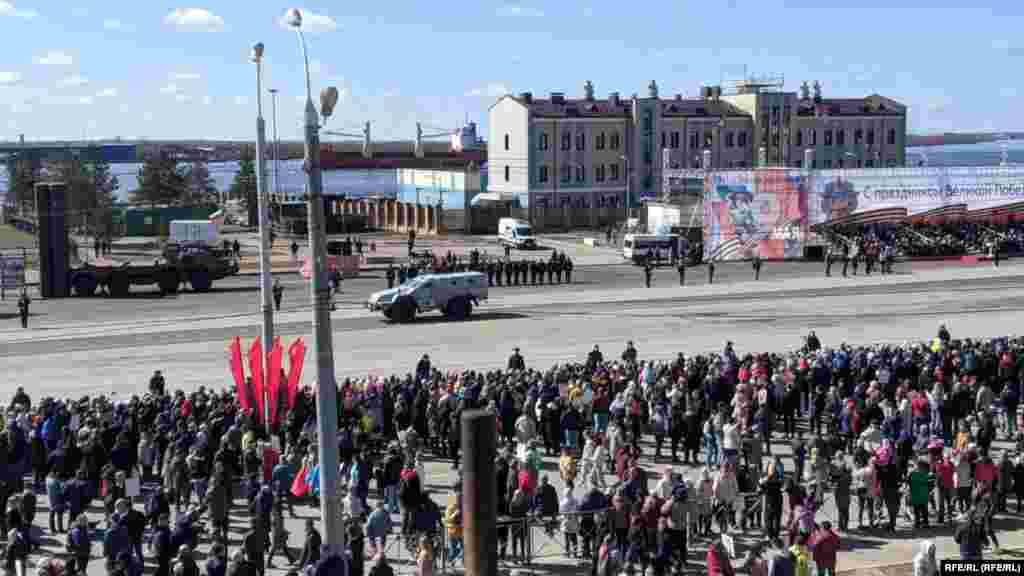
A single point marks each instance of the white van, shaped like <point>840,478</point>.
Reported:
<point>515,232</point>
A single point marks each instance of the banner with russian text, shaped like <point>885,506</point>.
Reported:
<point>296,358</point>
<point>238,372</point>
<point>274,379</point>
<point>256,368</point>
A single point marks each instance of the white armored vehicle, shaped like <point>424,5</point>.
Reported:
<point>453,294</point>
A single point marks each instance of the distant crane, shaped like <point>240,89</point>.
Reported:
<point>461,138</point>
<point>418,147</point>
<point>365,136</point>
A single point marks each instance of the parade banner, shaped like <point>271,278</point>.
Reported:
<point>274,379</point>
<point>256,369</point>
<point>759,212</point>
<point>296,358</point>
<point>865,196</point>
<point>238,372</point>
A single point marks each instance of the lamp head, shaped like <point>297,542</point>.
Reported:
<point>294,18</point>
<point>257,52</point>
<point>328,99</point>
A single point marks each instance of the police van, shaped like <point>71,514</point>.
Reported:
<point>454,295</point>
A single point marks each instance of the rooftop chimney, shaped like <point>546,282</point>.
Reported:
<point>679,97</point>
<point>526,97</point>
<point>652,89</point>
<point>805,91</point>
<point>558,98</point>
<point>613,98</point>
<point>817,91</point>
<point>588,91</point>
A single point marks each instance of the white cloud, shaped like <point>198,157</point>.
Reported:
<point>312,22</point>
<point>9,9</point>
<point>491,90</point>
<point>107,93</point>
<point>182,98</point>
<point>194,20</point>
<point>85,100</point>
<point>56,58</point>
<point>186,76</point>
<point>939,104</point>
<point>512,10</point>
<point>75,80</point>
<point>9,78</point>
<point>116,25</point>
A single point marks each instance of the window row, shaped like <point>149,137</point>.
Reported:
<point>737,139</point>
<point>838,137</point>
<point>577,173</point>
<point>601,140</point>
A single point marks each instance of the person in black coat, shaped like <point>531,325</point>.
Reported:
<point>255,543</point>
<point>311,548</point>
<point>161,545</point>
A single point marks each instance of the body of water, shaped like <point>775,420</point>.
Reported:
<point>360,183</point>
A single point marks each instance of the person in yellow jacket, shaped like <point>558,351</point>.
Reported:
<point>567,467</point>
<point>453,522</point>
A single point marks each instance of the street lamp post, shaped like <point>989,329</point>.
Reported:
<point>326,390</point>
<point>277,144</point>
<point>266,306</point>
<point>629,180</point>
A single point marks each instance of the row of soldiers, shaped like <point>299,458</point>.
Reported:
<point>516,272</point>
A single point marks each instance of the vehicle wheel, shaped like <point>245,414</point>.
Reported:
<point>404,311</point>
<point>387,313</point>
<point>119,286</point>
<point>169,282</point>
<point>457,309</point>
<point>84,285</point>
<point>200,281</point>
<point>469,309</point>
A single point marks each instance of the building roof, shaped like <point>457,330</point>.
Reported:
<point>873,105</point>
<point>577,108</point>
<point>700,107</point>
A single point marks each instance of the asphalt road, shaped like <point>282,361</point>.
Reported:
<point>240,295</point>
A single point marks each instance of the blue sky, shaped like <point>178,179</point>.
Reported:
<point>153,70</point>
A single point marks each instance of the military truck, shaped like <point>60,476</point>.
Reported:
<point>453,294</point>
<point>196,264</point>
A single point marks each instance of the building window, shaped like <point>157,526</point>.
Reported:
<point>614,171</point>
<point>566,141</point>
<point>840,137</point>
<point>858,136</point>
<point>507,170</point>
<point>663,138</point>
<point>869,163</point>
<point>693,140</point>
<point>892,136</point>
<point>871,137</point>
<point>506,143</point>
<point>615,141</point>
<point>599,173</point>
<point>581,141</point>
<point>599,142</point>
<point>566,174</point>
<point>839,163</point>
<point>674,140</point>
<point>828,163</point>
<point>542,173</point>
<point>814,137</point>
<point>799,137</point>
<point>741,140</point>
<point>542,143</point>
<point>728,139</point>
<point>648,122</point>
<point>581,176</point>
<point>828,137</point>
<point>709,139</point>
<point>798,163</point>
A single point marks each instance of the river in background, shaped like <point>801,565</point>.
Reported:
<point>361,183</point>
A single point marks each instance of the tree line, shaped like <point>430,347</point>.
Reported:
<point>92,188</point>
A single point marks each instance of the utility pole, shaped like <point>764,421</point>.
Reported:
<point>266,304</point>
<point>277,145</point>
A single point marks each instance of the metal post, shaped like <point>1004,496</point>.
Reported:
<point>277,144</point>
<point>479,493</point>
<point>326,391</point>
<point>266,305</point>
<point>629,181</point>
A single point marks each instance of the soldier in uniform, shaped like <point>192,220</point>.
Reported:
<point>508,272</point>
<point>403,274</point>
<point>757,266</point>
<point>845,255</point>
<point>278,294</point>
<point>828,260</point>
<point>542,268</point>
<point>558,263</point>
<point>490,273</point>
<point>568,271</point>
<point>648,272</point>
<point>681,266</point>
<point>498,271</point>
<point>551,268</point>
<point>711,271</point>
<point>390,275</point>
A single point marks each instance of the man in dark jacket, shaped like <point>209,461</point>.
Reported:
<point>255,543</point>
<point>311,548</point>
<point>161,544</point>
<point>330,564</point>
<point>971,537</point>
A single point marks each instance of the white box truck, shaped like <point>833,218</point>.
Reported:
<point>515,232</point>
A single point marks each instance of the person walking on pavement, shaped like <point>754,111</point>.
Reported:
<point>681,267</point>
<point>390,275</point>
<point>829,254</point>
<point>236,248</point>
<point>294,249</point>
<point>568,270</point>
<point>757,266</point>
<point>648,272</point>
<point>845,255</point>
<point>711,271</point>
<point>23,304</point>
<point>278,294</point>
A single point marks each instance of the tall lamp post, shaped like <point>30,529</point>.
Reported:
<point>277,144</point>
<point>262,204</point>
<point>629,181</point>
<point>326,390</point>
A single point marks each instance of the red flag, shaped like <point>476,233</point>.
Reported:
<point>296,357</point>
<point>274,378</point>
<point>256,367</point>
<point>238,371</point>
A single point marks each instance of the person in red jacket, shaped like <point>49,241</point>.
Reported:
<point>944,471</point>
<point>718,560</point>
<point>824,546</point>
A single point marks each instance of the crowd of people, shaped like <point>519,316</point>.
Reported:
<point>893,429</point>
<point>554,269</point>
<point>915,240</point>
